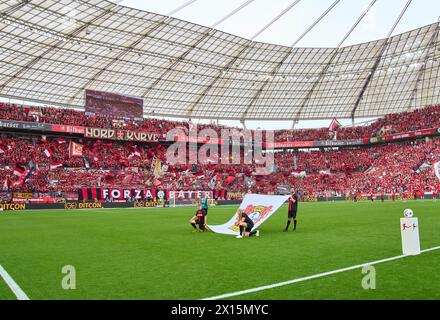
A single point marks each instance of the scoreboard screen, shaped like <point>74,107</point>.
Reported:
<point>114,105</point>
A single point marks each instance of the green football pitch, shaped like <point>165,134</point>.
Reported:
<point>152,253</point>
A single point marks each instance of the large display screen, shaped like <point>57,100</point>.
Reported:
<point>114,105</point>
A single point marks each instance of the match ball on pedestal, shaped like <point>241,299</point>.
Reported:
<point>408,213</point>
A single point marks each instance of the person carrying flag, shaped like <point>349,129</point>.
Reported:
<point>199,219</point>
<point>204,204</point>
<point>245,224</point>
<point>292,210</point>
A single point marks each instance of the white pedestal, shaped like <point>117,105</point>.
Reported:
<point>409,227</point>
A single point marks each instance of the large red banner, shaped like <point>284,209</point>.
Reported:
<point>146,194</point>
<point>124,135</point>
<point>68,129</point>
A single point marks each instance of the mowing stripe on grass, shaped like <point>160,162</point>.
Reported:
<point>13,285</point>
<point>285,283</point>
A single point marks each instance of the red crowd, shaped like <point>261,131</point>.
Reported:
<point>427,117</point>
<point>36,163</point>
<point>46,167</point>
<point>390,168</point>
<point>74,117</point>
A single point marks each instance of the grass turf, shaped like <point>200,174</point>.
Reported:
<point>152,254</point>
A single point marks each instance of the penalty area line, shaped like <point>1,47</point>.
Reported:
<point>320,275</point>
<point>13,285</point>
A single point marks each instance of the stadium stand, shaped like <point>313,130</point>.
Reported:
<point>42,164</point>
<point>428,117</point>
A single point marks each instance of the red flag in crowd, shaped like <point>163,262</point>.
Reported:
<point>230,180</point>
<point>75,149</point>
<point>334,125</point>
<point>110,178</point>
<point>199,175</point>
<point>55,165</point>
<point>157,182</point>
<point>48,152</point>
<point>19,171</point>
<point>135,152</point>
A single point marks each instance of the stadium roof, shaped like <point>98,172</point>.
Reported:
<point>51,51</point>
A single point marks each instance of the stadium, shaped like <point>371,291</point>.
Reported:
<point>118,125</point>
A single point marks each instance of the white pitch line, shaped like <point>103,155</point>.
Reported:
<point>285,283</point>
<point>13,285</point>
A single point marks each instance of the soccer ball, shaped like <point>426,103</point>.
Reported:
<point>408,213</point>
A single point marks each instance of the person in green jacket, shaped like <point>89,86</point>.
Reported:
<point>204,204</point>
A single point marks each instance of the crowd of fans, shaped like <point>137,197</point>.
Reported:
<point>40,164</point>
<point>45,166</point>
<point>390,168</point>
<point>428,117</point>
<point>64,116</point>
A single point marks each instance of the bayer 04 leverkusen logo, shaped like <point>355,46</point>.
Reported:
<point>257,213</point>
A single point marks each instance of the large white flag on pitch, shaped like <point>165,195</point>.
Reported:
<point>258,207</point>
<point>437,169</point>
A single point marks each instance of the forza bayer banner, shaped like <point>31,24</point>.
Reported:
<point>258,207</point>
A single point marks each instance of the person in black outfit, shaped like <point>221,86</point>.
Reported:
<point>199,219</point>
<point>292,210</point>
<point>246,225</point>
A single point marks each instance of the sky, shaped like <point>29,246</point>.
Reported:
<point>328,33</point>
<point>285,31</point>
<point>289,27</point>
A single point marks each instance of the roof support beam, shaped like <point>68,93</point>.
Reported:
<point>183,6</point>
<point>232,13</point>
<point>282,13</point>
<point>217,78</point>
<point>14,8</point>
<point>176,61</point>
<point>129,49</point>
<point>315,23</point>
<point>194,45</point>
<point>204,37</point>
<point>280,64</point>
<point>71,35</point>
<point>332,58</point>
<point>228,66</point>
<point>422,69</point>
<point>378,60</point>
